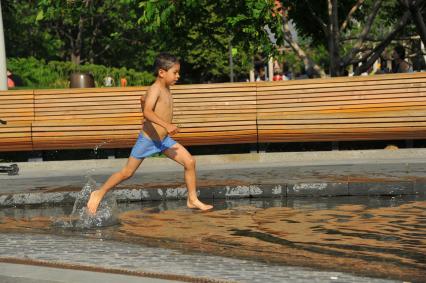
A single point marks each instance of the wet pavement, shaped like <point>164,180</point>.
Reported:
<point>274,219</point>
<point>339,239</point>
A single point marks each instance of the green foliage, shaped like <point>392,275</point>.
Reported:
<point>200,32</point>
<point>88,31</point>
<point>126,33</point>
<point>25,38</point>
<point>55,74</point>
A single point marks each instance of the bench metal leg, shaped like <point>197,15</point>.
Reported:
<point>35,156</point>
<point>335,146</point>
<point>110,153</point>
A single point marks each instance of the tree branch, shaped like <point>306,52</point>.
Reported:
<point>298,50</point>
<point>363,35</point>
<point>416,12</point>
<point>378,50</point>
<point>316,17</point>
<point>350,14</point>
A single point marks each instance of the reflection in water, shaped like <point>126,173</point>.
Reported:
<point>384,237</point>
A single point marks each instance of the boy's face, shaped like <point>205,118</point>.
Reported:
<point>171,76</point>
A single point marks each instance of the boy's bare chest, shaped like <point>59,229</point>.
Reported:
<point>164,103</point>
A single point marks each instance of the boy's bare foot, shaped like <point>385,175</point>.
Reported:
<point>94,200</point>
<point>198,205</point>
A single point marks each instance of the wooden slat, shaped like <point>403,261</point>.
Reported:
<point>15,136</point>
<point>302,93</point>
<point>357,107</point>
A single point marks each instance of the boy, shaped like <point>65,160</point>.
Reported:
<point>155,135</point>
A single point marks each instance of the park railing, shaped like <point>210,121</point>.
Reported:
<point>379,107</point>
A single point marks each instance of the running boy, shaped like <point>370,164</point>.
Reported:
<point>155,135</point>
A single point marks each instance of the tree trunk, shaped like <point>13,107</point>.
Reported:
<point>333,39</point>
<point>75,58</point>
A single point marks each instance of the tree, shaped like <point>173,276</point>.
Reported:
<point>201,31</point>
<point>86,29</point>
<point>354,31</point>
<point>23,37</point>
<point>418,15</point>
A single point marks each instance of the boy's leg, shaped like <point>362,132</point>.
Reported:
<point>179,154</point>
<point>115,179</point>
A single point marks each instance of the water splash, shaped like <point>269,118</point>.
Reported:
<point>80,218</point>
<point>100,145</point>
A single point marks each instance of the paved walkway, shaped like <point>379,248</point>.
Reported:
<point>372,172</point>
<point>115,256</point>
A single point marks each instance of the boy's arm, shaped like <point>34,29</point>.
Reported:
<point>149,114</point>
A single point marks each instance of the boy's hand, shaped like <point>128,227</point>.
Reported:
<point>172,129</point>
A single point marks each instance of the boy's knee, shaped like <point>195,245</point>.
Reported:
<point>126,174</point>
<point>190,163</point>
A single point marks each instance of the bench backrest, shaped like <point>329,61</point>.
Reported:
<point>86,118</point>
<point>375,107</point>
<point>215,113</point>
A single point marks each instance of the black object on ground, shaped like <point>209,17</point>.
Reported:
<point>10,170</point>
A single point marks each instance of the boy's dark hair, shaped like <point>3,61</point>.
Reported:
<point>400,50</point>
<point>164,61</point>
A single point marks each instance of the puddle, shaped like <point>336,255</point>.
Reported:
<point>374,236</point>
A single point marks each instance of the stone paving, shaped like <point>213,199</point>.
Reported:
<point>118,255</point>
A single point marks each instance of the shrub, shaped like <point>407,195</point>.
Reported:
<point>37,73</point>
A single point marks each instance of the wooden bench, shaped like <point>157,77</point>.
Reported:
<point>336,109</point>
<point>17,109</point>
<point>111,118</point>
<point>215,113</point>
<point>86,118</point>
<point>378,107</point>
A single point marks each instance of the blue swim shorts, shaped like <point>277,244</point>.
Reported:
<point>144,146</point>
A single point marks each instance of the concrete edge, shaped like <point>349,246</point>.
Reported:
<point>417,155</point>
<point>282,190</point>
